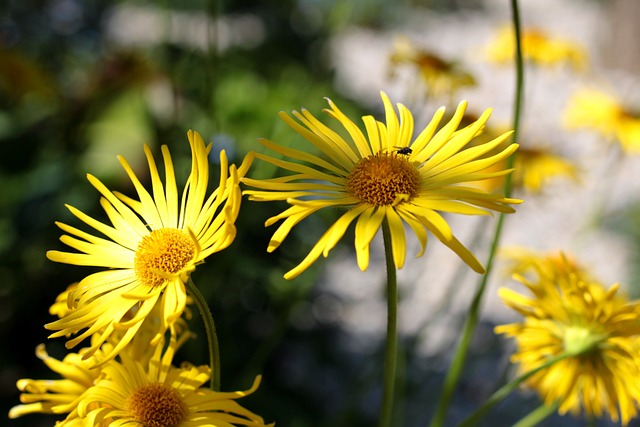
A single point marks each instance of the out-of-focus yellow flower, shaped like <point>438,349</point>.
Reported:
<point>569,313</point>
<point>441,77</point>
<point>384,176</point>
<point>537,47</point>
<point>603,113</point>
<point>534,265</point>
<point>534,167</point>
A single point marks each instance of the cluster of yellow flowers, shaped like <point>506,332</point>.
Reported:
<point>133,310</point>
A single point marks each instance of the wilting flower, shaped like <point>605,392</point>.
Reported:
<point>384,176</point>
<point>129,392</point>
<point>603,113</point>
<point>152,245</point>
<point>57,396</point>
<point>537,47</point>
<point>570,313</point>
<point>441,77</point>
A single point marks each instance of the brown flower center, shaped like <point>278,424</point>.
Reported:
<point>162,254</point>
<point>157,405</point>
<point>383,179</point>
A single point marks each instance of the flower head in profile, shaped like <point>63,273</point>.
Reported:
<point>129,392</point>
<point>597,328</point>
<point>440,76</point>
<point>605,114</point>
<point>149,247</point>
<point>386,175</point>
<point>538,47</point>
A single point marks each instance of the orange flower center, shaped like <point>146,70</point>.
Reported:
<point>383,179</point>
<point>157,405</point>
<point>163,254</point>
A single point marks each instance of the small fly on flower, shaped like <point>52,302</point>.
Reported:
<point>405,151</point>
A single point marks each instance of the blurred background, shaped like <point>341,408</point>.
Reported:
<point>81,82</point>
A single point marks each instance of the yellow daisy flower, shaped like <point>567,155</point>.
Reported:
<point>533,169</point>
<point>151,247</point>
<point>534,166</point>
<point>441,77</point>
<point>129,391</point>
<point>78,373</point>
<point>60,396</point>
<point>386,175</point>
<point>603,113</point>
<point>538,47</point>
<point>533,265</point>
<point>568,313</point>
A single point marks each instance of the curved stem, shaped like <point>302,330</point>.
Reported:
<point>459,358</point>
<point>391,344</point>
<point>210,330</point>
<point>504,391</point>
<point>538,415</point>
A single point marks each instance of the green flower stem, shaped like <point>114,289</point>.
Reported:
<point>504,391</point>
<point>538,415</point>
<point>391,344</point>
<point>210,330</point>
<point>459,358</point>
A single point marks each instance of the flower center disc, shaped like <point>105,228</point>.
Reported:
<point>381,178</point>
<point>156,405</point>
<point>579,340</point>
<point>166,250</point>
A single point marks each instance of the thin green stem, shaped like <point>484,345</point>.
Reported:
<point>391,344</point>
<point>459,358</point>
<point>518,102</point>
<point>538,415</point>
<point>212,75</point>
<point>210,330</point>
<point>504,391</point>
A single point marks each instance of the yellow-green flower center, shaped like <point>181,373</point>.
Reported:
<point>383,179</point>
<point>162,254</point>
<point>579,340</point>
<point>157,405</point>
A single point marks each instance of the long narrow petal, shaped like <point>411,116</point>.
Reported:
<point>328,238</point>
<point>304,156</point>
<point>391,120</point>
<point>398,243</point>
<point>356,134</point>
<point>149,208</point>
